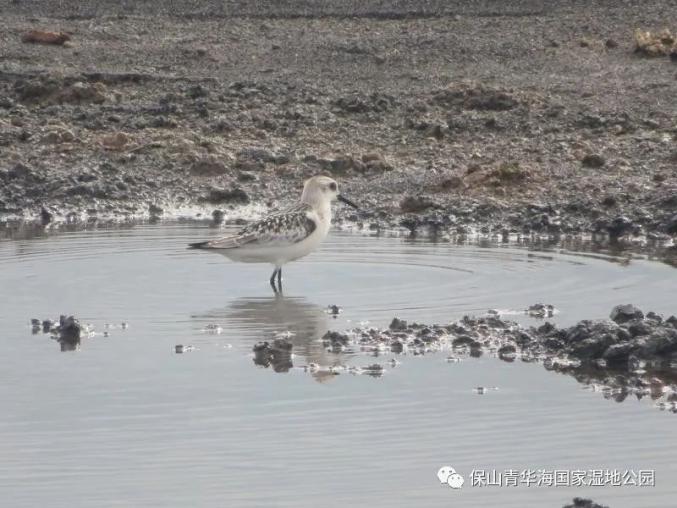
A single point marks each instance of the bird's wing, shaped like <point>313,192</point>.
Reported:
<point>277,230</point>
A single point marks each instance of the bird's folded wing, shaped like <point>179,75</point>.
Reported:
<point>273,231</point>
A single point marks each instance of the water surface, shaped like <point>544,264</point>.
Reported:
<point>124,421</point>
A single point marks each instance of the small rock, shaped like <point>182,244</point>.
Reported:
<point>213,328</point>
<point>341,164</point>
<point>333,338</point>
<point>507,349</point>
<point>373,370</point>
<point>257,155</point>
<point>115,141</point>
<point>452,182</point>
<point>208,166</point>
<point>541,310</point>
<point>398,324</point>
<point>334,310</point>
<point>45,216</point>
<point>593,161</point>
<point>671,226</point>
<point>47,325</point>
<point>197,91</point>
<point>58,136</point>
<point>624,313</point>
<point>45,37</point>
<point>234,195</point>
<point>396,347</point>
<point>375,162</point>
<point>580,502</point>
<point>620,226</point>
<point>69,332</point>
<point>218,216</point>
<point>415,204</point>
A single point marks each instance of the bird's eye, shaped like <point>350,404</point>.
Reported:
<point>332,186</point>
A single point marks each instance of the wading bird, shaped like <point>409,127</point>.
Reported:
<point>284,236</point>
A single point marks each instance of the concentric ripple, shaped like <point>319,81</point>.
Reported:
<point>125,421</point>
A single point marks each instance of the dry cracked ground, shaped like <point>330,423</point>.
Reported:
<point>519,116</point>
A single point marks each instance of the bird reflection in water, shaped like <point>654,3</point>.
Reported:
<point>292,326</point>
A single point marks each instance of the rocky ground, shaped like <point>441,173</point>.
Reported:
<point>522,116</point>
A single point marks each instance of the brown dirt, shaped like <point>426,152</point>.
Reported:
<point>490,114</point>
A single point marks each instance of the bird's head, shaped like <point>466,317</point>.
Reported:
<point>321,190</point>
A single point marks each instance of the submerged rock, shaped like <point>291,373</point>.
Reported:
<point>276,354</point>
<point>68,333</point>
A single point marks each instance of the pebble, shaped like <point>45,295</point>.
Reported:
<point>213,329</point>
<point>334,310</point>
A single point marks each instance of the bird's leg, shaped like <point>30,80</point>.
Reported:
<point>279,279</point>
<point>272,279</point>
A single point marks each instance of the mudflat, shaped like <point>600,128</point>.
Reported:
<point>524,116</point>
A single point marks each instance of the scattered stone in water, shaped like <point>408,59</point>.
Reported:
<point>541,310</point>
<point>334,310</point>
<point>213,328</point>
<point>397,347</point>
<point>124,325</point>
<point>68,333</point>
<point>374,370</point>
<point>335,341</point>
<point>507,353</point>
<point>47,325</point>
<point>580,502</point>
<point>106,333</point>
<point>278,354</point>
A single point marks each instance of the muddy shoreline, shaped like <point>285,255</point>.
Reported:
<point>436,118</point>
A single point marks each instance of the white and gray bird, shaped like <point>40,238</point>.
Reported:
<point>284,236</point>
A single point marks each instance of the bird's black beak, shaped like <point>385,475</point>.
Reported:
<point>345,200</point>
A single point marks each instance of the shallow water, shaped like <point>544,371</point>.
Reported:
<point>124,421</point>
